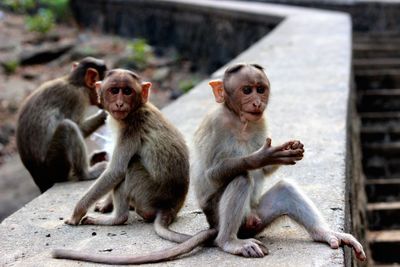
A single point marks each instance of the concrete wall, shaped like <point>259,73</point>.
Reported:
<point>211,37</point>
<point>308,60</point>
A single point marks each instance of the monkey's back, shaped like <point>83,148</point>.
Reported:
<point>164,155</point>
<point>40,114</point>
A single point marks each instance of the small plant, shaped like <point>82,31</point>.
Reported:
<point>42,22</point>
<point>10,66</point>
<point>141,52</point>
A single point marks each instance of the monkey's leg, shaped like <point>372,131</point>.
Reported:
<point>286,199</point>
<point>232,207</point>
<point>121,209</point>
<point>67,145</point>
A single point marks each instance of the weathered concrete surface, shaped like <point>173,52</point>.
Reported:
<point>307,58</point>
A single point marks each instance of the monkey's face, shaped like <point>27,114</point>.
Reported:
<point>248,95</point>
<point>119,95</point>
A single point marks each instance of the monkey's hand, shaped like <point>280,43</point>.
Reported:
<point>285,154</point>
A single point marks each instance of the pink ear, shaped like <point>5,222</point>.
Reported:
<point>218,90</point>
<point>91,77</point>
<point>145,91</point>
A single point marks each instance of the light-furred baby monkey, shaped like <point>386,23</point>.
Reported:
<point>233,156</point>
<point>149,170</point>
<point>51,126</point>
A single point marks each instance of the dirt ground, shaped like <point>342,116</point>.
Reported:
<point>20,74</point>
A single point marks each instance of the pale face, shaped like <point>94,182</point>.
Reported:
<point>249,93</point>
<point>120,91</point>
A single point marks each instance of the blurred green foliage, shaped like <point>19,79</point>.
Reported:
<point>41,14</point>
<point>42,22</point>
<point>20,6</point>
<point>141,52</point>
<point>10,66</point>
<point>60,8</point>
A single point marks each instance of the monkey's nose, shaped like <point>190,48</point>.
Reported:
<point>257,104</point>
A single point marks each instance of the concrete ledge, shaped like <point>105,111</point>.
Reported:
<point>308,60</point>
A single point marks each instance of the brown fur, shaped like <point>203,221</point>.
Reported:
<point>51,127</point>
<point>149,171</point>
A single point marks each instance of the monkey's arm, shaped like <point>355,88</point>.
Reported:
<point>227,169</point>
<point>110,178</point>
<point>92,123</point>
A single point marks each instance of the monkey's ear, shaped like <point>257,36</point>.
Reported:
<point>91,77</point>
<point>218,90</point>
<point>145,91</point>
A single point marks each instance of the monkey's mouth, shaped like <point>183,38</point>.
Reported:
<point>118,114</point>
<point>256,113</point>
<point>253,115</point>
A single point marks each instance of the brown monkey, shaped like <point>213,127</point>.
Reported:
<point>233,157</point>
<point>149,169</point>
<point>51,126</point>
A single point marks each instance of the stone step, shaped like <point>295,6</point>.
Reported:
<point>376,63</point>
<point>382,190</point>
<point>381,166</point>
<point>379,100</point>
<point>377,37</point>
<point>380,133</point>
<point>380,119</point>
<point>385,246</point>
<point>389,149</point>
<point>383,215</point>
<point>377,78</point>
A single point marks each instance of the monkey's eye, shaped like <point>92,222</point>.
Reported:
<point>127,91</point>
<point>246,90</point>
<point>114,90</point>
<point>260,90</point>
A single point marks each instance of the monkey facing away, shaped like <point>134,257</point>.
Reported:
<point>51,126</point>
<point>149,169</point>
<point>234,156</point>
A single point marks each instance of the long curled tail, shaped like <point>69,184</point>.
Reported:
<point>153,257</point>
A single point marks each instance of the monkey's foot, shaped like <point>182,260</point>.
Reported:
<point>72,221</point>
<point>245,247</point>
<point>335,239</point>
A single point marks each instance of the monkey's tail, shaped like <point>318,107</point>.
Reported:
<point>152,257</point>
<point>161,224</point>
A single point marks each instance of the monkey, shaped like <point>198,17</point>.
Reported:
<point>51,126</point>
<point>148,170</point>
<point>233,159</point>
